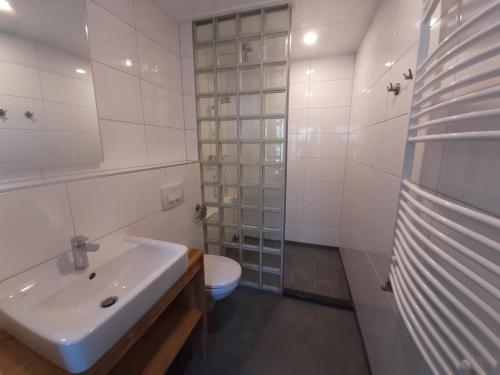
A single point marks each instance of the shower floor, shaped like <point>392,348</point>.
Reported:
<point>315,272</point>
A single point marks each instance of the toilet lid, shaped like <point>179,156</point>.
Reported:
<point>220,271</point>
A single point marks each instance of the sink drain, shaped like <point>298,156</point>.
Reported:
<point>110,301</point>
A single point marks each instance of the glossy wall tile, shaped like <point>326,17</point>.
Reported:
<point>320,104</point>
<point>377,138</point>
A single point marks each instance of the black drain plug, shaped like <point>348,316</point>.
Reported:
<point>110,301</point>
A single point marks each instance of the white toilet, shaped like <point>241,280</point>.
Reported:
<point>222,276</point>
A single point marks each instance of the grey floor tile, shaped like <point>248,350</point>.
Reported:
<point>288,337</point>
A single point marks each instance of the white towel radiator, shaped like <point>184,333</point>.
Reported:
<point>445,272</point>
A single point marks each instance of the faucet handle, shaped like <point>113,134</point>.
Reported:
<point>78,241</point>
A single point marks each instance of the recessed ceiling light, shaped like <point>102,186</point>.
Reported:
<point>310,38</point>
<point>80,71</point>
<point>5,6</point>
<point>309,72</point>
<point>128,62</point>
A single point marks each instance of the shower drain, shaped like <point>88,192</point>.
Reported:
<point>110,301</point>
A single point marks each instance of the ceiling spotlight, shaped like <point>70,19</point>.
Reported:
<point>128,62</point>
<point>310,38</point>
<point>80,71</point>
<point>5,6</point>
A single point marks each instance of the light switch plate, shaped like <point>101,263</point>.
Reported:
<point>172,195</point>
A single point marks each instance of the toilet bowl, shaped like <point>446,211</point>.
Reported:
<point>222,276</point>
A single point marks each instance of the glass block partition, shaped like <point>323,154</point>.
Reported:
<point>241,77</point>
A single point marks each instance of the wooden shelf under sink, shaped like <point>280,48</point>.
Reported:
<point>149,347</point>
<point>157,348</point>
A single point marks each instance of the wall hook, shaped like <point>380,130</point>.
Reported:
<point>29,114</point>
<point>3,112</point>
<point>409,75</point>
<point>394,88</point>
<point>387,286</point>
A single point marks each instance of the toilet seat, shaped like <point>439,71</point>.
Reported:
<point>221,273</point>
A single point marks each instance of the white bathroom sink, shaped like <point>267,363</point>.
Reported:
<point>57,311</point>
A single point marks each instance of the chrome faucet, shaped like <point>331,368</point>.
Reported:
<point>80,248</point>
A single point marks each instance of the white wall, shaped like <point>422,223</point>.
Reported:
<point>377,134</point>
<point>142,128</point>
<point>319,106</point>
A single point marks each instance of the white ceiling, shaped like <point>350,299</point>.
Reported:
<point>340,24</point>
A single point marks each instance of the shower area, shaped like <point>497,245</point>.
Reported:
<point>241,64</point>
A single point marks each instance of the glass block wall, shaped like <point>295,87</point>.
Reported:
<point>241,77</point>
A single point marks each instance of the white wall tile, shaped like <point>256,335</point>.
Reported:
<point>293,232</point>
<point>298,95</point>
<point>165,145</point>
<point>158,65</point>
<point>326,145</point>
<point>297,145</point>
<point>297,121</point>
<point>124,144</point>
<point>393,146</point>
<point>191,144</point>
<point>321,215</point>
<point>162,107</point>
<point>320,235</point>
<point>295,169</point>
<point>123,9</point>
<point>112,41</point>
<point>294,211</point>
<point>295,191</point>
<point>118,95</point>
<point>300,71</point>
<point>328,120</point>
<point>44,214</point>
<point>332,68</point>
<point>103,205</point>
<point>19,80</point>
<point>323,193</point>
<point>324,170</point>
<point>189,112</point>
<point>186,39</point>
<point>153,21</point>
<point>183,218</point>
<point>156,227</point>
<point>187,76</point>
<point>408,26</point>
<point>330,94</point>
<point>10,172</point>
<point>189,174</point>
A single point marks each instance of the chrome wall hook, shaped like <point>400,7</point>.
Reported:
<point>387,286</point>
<point>3,112</point>
<point>29,114</point>
<point>394,88</point>
<point>409,75</point>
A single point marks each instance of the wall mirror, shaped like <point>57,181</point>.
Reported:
<point>47,104</point>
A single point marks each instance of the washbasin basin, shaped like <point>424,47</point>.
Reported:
<point>72,317</point>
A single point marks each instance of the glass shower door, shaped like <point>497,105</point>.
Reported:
<point>241,76</point>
